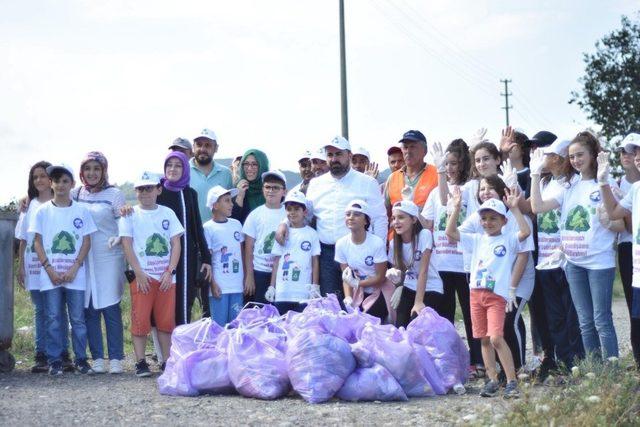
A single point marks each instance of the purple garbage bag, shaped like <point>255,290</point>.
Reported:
<point>318,364</point>
<point>174,381</point>
<point>192,336</point>
<point>256,362</point>
<point>441,340</point>
<point>391,348</point>
<point>254,315</point>
<point>207,371</point>
<point>372,383</point>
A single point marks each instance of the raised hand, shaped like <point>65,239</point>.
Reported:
<point>512,197</point>
<point>509,175</point>
<point>478,137</point>
<point>603,167</point>
<point>438,156</point>
<point>537,162</point>
<point>507,140</point>
<point>372,170</point>
<point>456,197</point>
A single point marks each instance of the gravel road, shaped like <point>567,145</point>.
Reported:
<point>37,399</point>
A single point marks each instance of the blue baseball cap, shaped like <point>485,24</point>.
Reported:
<point>413,135</point>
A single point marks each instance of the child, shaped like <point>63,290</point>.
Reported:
<point>415,272</point>
<point>225,240</point>
<point>295,265</point>
<point>151,243</point>
<point>363,260</point>
<point>62,231</point>
<point>492,293</point>
<point>260,232</point>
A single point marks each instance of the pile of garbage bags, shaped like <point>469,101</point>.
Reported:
<point>320,353</point>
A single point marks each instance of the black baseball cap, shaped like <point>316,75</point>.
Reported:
<point>413,135</point>
<point>543,138</point>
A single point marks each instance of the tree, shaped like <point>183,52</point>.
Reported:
<point>610,93</point>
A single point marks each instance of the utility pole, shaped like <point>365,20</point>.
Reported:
<point>506,95</point>
<point>343,76</point>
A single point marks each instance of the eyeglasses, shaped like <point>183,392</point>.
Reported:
<point>250,165</point>
<point>273,187</point>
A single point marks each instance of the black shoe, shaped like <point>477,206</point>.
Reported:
<point>67,363</point>
<point>490,389</point>
<point>55,369</point>
<point>41,364</point>
<point>163,366</point>
<point>83,367</point>
<point>142,369</point>
<point>547,367</point>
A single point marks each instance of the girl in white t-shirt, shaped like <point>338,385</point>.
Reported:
<point>363,259</point>
<point>588,239</point>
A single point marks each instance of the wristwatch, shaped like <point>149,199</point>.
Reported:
<point>173,272</point>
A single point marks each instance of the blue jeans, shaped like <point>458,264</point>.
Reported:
<point>592,294</point>
<point>226,308</point>
<point>113,325</point>
<point>54,302</point>
<point>330,273</point>
<point>40,322</point>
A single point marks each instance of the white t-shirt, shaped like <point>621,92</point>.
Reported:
<point>62,230</point>
<point>448,256</point>
<point>586,243</point>
<point>492,259</point>
<point>32,267</point>
<point>295,267</point>
<point>549,222</point>
<point>631,202</point>
<point>261,225</point>
<point>224,240</point>
<point>425,241</point>
<point>151,231</point>
<point>527,281</point>
<point>361,258</point>
<point>625,186</point>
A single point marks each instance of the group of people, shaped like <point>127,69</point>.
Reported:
<point>495,226</point>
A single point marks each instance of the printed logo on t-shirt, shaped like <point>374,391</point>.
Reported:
<point>577,220</point>
<point>417,255</point>
<point>369,260</point>
<point>236,235</point>
<point>444,218</point>
<point>305,246</point>
<point>268,243</point>
<point>77,223</point>
<point>63,243</point>
<point>595,196</point>
<point>548,222</point>
<point>156,246</point>
<point>500,251</point>
<point>165,224</point>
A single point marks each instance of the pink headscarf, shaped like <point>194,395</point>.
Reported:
<point>104,181</point>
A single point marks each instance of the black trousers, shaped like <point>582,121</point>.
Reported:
<point>378,309</point>
<point>515,333</point>
<point>408,298</point>
<point>540,335</point>
<point>458,283</point>
<point>330,276</point>
<point>625,261</point>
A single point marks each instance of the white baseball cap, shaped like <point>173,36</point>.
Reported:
<point>616,143</point>
<point>357,205</point>
<point>362,151</point>
<point>207,133</point>
<point>278,174</point>
<point>340,143</point>
<point>319,155</point>
<point>630,142</point>
<point>147,179</point>
<point>216,192</point>
<point>493,205</point>
<point>295,197</point>
<point>306,154</point>
<point>559,147</point>
<point>62,167</point>
<point>407,206</point>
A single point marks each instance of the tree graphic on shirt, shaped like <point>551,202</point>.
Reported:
<point>268,242</point>
<point>63,243</point>
<point>578,220</point>
<point>156,246</point>
<point>548,222</point>
<point>444,218</point>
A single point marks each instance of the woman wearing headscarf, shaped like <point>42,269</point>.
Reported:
<point>105,263</point>
<point>252,165</point>
<point>183,200</point>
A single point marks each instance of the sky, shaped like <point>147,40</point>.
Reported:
<point>126,77</point>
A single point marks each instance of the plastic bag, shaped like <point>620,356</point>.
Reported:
<point>257,365</point>
<point>207,371</point>
<point>347,326</point>
<point>318,364</point>
<point>200,334</point>
<point>174,381</point>
<point>391,348</point>
<point>371,383</point>
<point>252,315</point>
<point>441,340</point>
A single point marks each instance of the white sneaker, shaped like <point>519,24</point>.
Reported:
<point>115,366</point>
<point>98,366</point>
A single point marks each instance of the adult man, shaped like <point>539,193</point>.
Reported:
<point>306,172</point>
<point>319,165</point>
<point>182,145</point>
<point>395,158</point>
<point>328,196</point>
<point>416,175</point>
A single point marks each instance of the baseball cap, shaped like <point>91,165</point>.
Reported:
<point>559,147</point>
<point>357,205</point>
<point>630,142</point>
<point>147,179</point>
<point>361,151</point>
<point>61,167</point>
<point>406,206</point>
<point>216,192</point>
<point>306,154</point>
<point>319,155</point>
<point>182,143</point>
<point>340,143</point>
<point>394,149</point>
<point>543,138</point>
<point>207,133</point>
<point>295,197</point>
<point>278,174</point>
<point>413,135</point>
<point>493,205</point>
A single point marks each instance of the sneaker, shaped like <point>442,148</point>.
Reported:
<point>490,389</point>
<point>83,367</point>
<point>511,390</point>
<point>55,369</point>
<point>41,364</point>
<point>142,369</point>
<point>115,366</point>
<point>459,389</point>
<point>67,363</point>
<point>98,366</point>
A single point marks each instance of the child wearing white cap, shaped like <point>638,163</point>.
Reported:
<point>295,264</point>
<point>225,240</point>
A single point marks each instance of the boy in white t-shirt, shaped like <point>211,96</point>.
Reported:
<point>225,240</point>
<point>260,236</point>
<point>62,241</point>
<point>295,265</point>
<point>151,243</point>
<point>492,291</point>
